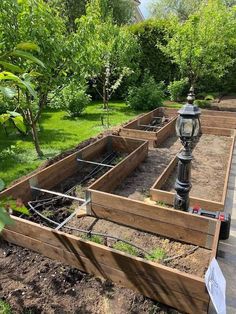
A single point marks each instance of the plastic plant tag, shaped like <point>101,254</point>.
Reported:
<point>216,286</point>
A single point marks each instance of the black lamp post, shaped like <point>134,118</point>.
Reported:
<point>188,129</point>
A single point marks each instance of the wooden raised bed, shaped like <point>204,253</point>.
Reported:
<point>158,194</point>
<point>155,138</point>
<point>53,175</point>
<point>178,289</point>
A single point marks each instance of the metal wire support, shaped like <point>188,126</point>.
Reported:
<point>94,163</point>
<point>58,194</point>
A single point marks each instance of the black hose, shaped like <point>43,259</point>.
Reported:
<point>86,231</point>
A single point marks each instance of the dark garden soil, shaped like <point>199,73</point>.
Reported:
<point>209,166</point>
<point>195,262</point>
<point>35,284</point>
<point>138,183</point>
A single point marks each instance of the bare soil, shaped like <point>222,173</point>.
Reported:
<point>209,166</point>
<point>35,284</point>
<point>194,263</point>
<point>138,183</point>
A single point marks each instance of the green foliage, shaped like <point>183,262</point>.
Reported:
<point>156,255</point>
<point>124,247</point>
<point>5,307</point>
<point>177,89</point>
<point>95,238</point>
<point>74,99</point>
<point>48,213</point>
<point>8,205</point>
<point>169,8</point>
<point>151,57</point>
<point>199,45</point>
<point>202,103</point>
<point>108,51</point>
<point>147,96</point>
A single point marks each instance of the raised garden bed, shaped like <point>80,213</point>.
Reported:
<point>153,126</point>
<point>211,164</point>
<point>164,283</point>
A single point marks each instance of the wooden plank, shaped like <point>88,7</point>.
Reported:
<point>131,278</point>
<point>165,174</point>
<point>114,177</point>
<point>154,212</point>
<point>126,145</point>
<point>218,122</point>
<point>215,241</point>
<point>138,134</point>
<point>228,169</point>
<point>204,112</point>
<point>216,131</point>
<point>154,226</point>
<point>168,198</point>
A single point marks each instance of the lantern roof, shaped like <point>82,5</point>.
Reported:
<point>189,109</point>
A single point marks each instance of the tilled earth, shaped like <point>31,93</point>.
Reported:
<point>34,284</point>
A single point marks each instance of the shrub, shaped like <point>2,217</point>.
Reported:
<point>202,103</point>
<point>72,98</point>
<point>178,89</point>
<point>147,96</point>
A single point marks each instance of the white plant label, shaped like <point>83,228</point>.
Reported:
<point>216,286</point>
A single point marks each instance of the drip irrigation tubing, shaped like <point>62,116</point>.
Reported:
<point>111,237</point>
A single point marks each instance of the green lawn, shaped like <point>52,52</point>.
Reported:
<point>58,132</point>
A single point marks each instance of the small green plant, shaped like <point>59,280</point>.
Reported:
<point>157,254</point>
<point>163,204</point>
<point>5,307</point>
<point>125,247</point>
<point>94,238</point>
<point>177,89</point>
<point>47,213</point>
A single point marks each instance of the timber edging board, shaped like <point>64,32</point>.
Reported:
<point>157,194</point>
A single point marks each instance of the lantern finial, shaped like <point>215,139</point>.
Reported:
<point>191,96</point>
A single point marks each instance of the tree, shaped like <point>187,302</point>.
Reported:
<point>204,45</point>
<point>108,51</point>
<point>179,8</point>
<point>122,11</point>
<point>36,21</point>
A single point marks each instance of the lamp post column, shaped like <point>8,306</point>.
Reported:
<point>183,184</point>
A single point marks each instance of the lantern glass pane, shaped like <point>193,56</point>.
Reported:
<point>177,126</point>
<point>196,128</point>
<point>187,128</point>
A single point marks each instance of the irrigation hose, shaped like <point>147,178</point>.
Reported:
<point>86,231</point>
<point>110,237</point>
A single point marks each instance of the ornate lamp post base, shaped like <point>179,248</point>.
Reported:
<point>183,184</point>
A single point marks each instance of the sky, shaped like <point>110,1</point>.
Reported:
<point>144,7</point>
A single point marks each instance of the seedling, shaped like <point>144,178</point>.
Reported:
<point>124,247</point>
<point>94,238</point>
<point>155,255</point>
<point>5,307</point>
<point>48,213</point>
<point>163,204</point>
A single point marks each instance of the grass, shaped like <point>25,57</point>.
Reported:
<point>5,308</point>
<point>58,132</point>
<point>125,247</point>
<point>156,255</point>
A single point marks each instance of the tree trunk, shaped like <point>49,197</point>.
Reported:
<point>35,134</point>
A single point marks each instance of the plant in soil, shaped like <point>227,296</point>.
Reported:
<point>156,255</point>
<point>5,307</point>
<point>124,247</point>
<point>94,238</point>
<point>47,213</point>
